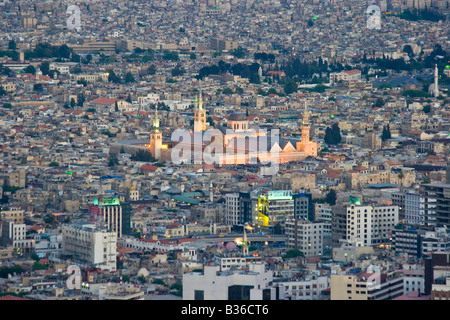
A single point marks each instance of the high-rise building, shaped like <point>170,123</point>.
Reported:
<point>407,240</point>
<point>113,215</point>
<point>90,245</point>
<point>303,206</point>
<point>14,234</point>
<point>367,224</point>
<point>274,207</point>
<point>414,209</point>
<point>437,276</point>
<point>304,236</point>
<point>232,209</point>
<point>437,204</point>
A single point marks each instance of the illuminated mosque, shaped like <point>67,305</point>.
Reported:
<point>241,142</point>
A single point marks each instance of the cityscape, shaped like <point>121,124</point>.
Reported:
<point>227,150</point>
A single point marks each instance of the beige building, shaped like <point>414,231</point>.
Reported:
<point>366,286</point>
<point>18,179</point>
<point>371,141</point>
<point>294,182</point>
<point>12,214</point>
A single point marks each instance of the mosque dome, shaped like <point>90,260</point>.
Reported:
<point>237,116</point>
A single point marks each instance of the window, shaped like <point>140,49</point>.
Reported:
<point>199,295</point>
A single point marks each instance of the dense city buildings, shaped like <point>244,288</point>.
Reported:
<point>225,150</point>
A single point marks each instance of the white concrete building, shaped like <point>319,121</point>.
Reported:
<point>307,289</point>
<point>305,236</point>
<point>89,245</point>
<point>414,209</point>
<point>370,225</point>
<point>232,209</point>
<point>323,213</point>
<point>213,284</point>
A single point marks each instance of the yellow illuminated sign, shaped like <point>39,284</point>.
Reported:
<point>263,214</point>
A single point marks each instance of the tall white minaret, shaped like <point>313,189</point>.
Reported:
<point>200,116</point>
<point>436,80</point>
<point>156,137</point>
<point>211,192</point>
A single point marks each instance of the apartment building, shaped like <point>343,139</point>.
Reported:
<point>304,236</point>
<point>212,284</point>
<point>414,209</point>
<point>12,214</point>
<point>232,209</point>
<point>306,289</point>
<point>366,286</point>
<point>370,225</point>
<point>89,245</point>
<point>437,204</point>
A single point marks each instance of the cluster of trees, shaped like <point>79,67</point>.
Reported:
<point>269,57</point>
<point>415,94</point>
<point>5,271</point>
<point>305,70</point>
<point>142,155</point>
<point>333,134</point>
<point>386,133</point>
<point>238,53</point>
<point>114,78</point>
<point>240,69</point>
<point>170,55</point>
<point>330,198</point>
<point>178,71</point>
<point>46,50</point>
<point>262,92</point>
<point>421,14</point>
<point>415,63</point>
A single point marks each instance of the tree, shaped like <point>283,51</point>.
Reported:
<point>49,219</point>
<point>53,164</point>
<point>293,253</point>
<point>35,257</point>
<point>193,56</point>
<point>112,160</point>
<point>177,288</point>
<point>290,86</point>
<point>178,71</point>
<point>277,229</point>
<point>30,69</point>
<point>72,103</point>
<point>38,266</point>
<point>12,45</point>
<point>227,91</point>
<point>386,134</point>
<point>158,281</point>
<point>112,77</point>
<point>333,134</point>
<point>407,49</point>
<point>426,108</point>
<point>45,68</point>
<point>129,78</point>
<point>379,103</point>
<point>331,197</point>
